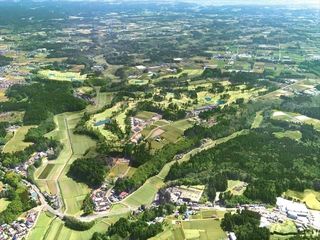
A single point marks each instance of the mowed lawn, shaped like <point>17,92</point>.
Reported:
<point>16,143</point>
<point>62,76</point>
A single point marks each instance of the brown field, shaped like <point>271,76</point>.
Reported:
<point>157,133</point>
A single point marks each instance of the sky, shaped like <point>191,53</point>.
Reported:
<point>265,2</point>
<point>315,3</point>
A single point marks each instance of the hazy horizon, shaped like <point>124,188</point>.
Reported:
<point>206,2</point>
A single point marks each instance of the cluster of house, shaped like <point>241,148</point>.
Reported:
<point>165,67</point>
<point>33,53</point>
<point>52,200</point>
<point>312,92</point>
<point>97,68</point>
<point>4,83</point>
<point>100,199</point>
<point>197,111</point>
<point>103,198</point>
<point>12,128</point>
<point>138,124</point>
<point>117,197</point>
<point>287,210</point>
<point>299,213</point>
<point>23,168</point>
<point>18,229</point>
<point>185,195</point>
<point>84,96</point>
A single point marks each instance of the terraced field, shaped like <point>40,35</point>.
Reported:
<point>52,228</point>
<point>52,177</point>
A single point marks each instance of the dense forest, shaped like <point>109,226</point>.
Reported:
<point>303,104</point>
<point>270,165</point>
<point>39,100</point>
<point>91,171</point>
<point>17,194</point>
<point>4,61</point>
<point>138,227</point>
<point>245,225</point>
<point>311,66</point>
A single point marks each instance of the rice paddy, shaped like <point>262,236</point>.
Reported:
<point>52,176</point>
<point>52,228</point>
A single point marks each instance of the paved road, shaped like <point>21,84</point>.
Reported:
<point>43,201</point>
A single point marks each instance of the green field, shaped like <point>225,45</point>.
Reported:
<point>52,228</point>
<point>46,171</point>
<point>281,237</point>
<point>119,170</point>
<point>3,204</point>
<point>171,134</point>
<point>297,118</point>
<point>16,143</point>
<point>310,197</point>
<point>287,227</point>
<point>295,135</point>
<point>200,229</point>
<point>62,76</point>
<point>145,115</point>
<point>182,124</point>
<point>73,192</point>
<point>258,120</point>
<point>75,146</point>
<point>236,187</point>
<point>190,72</point>
<point>139,82</point>
<point>41,227</point>
<point>206,228</point>
<point>146,193</point>
<point>106,114</point>
<point>207,214</point>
